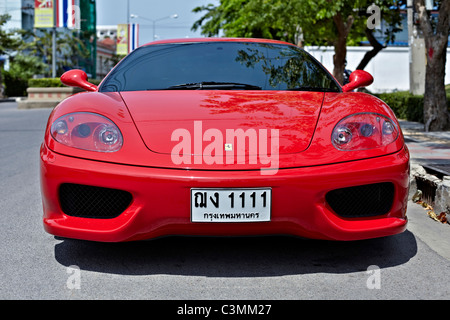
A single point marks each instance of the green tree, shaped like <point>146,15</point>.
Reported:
<point>276,19</point>
<point>21,69</point>
<point>390,13</point>
<point>318,22</point>
<point>69,49</point>
<point>26,66</point>
<point>9,43</point>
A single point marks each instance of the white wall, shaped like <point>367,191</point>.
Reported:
<point>390,67</point>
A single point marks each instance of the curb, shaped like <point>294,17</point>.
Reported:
<point>9,100</point>
<point>430,189</point>
<point>429,166</point>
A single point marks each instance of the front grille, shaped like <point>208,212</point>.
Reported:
<point>93,202</point>
<point>362,201</point>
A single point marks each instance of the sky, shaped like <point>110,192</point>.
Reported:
<point>113,12</point>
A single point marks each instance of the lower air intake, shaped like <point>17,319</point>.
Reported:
<point>362,201</point>
<point>93,202</point>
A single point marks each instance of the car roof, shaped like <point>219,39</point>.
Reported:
<point>217,39</point>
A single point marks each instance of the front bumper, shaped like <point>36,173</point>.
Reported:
<point>161,199</point>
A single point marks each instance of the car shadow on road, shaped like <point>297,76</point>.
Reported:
<point>236,257</point>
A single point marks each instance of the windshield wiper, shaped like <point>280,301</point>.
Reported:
<point>308,88</point>
<point>211,85</point>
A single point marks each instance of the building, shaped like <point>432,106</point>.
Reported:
<point>106,32</point>
<point>106,51</point>
<point>21,12</point>
<point>88,34</point>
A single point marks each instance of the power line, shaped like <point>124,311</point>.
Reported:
<point>148,26</point>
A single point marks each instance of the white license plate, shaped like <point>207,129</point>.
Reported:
<point>231,205</point>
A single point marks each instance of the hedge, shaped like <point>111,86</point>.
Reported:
<point>51,82</point>
<point>45,83</point>
<point>14,87</point>
<point>406,105</point>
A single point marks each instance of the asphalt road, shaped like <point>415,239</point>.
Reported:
<point>36,265</point>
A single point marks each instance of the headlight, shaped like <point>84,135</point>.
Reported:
<point>87,131</point>
<point>363,131</point>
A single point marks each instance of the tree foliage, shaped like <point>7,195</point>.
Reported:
<point>311,22</point>
<point>250,18</point>
<point>69,48</point>
<point>9,41</point>
<point>30,53</point>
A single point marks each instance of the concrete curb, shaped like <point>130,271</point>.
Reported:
<point>430,165</point>
<point>12,99</point>
<point>434,191</point>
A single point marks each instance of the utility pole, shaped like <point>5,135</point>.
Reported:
<point>54,44</point>
<point>417,53</point>
<point>128,12</point>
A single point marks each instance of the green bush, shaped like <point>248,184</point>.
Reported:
<point>51,83</point>
<point>406,105</point>
<point>14,87</point>
<point>45,83</point>
<point>95,81</point>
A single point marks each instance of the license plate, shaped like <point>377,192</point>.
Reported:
<point>231,205</point>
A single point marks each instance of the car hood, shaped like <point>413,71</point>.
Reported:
<point>217,122</point>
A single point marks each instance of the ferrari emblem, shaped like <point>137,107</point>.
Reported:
<point>228,147</point>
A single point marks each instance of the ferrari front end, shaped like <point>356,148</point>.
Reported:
<point>179,149</point>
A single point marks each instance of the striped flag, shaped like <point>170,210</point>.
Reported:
<point>68,14</point>
<point>133,37</point>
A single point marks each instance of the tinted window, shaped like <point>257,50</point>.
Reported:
<point>268,66</point>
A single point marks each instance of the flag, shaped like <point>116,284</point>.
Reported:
<point>133,37</point>
<point>68,14</point>
<point>43,14</point>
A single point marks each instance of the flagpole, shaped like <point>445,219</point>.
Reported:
<point>128,12</point>
<point>54,41</point>
<point>54,53</point>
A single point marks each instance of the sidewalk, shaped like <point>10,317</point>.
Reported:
<point>430,164</point>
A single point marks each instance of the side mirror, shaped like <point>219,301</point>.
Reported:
<point>358,79</point>
<point>78,78</point>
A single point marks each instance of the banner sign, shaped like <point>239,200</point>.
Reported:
<point>122,39</point>
<point>127,38</point>
<point>43,14</point>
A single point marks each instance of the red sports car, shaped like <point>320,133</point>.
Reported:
<point>222,137</point>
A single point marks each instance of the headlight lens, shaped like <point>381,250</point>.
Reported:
<point>87,131</point>
<point>363,131</point>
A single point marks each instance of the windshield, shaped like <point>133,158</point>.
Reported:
<point>220,66</point>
